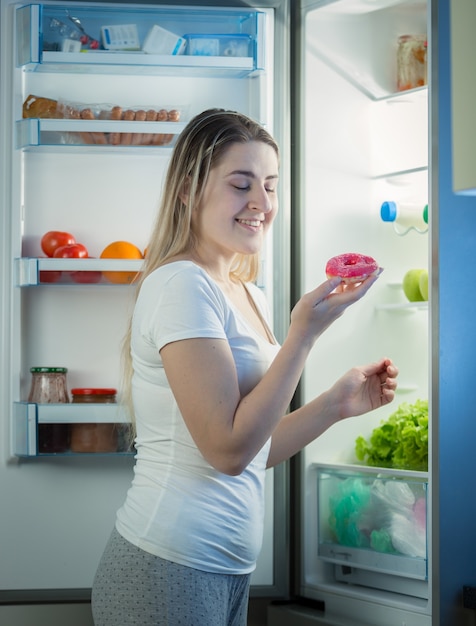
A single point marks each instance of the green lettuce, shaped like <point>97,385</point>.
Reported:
<point>400,442</point>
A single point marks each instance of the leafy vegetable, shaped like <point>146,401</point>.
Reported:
<point>400,442</point>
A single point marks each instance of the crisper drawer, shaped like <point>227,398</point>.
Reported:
<point>67,429</point>
<point>145,39</point>
<point>373,520</point>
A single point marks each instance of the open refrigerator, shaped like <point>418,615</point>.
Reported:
<point>69,164</point>
<point>321,74</point>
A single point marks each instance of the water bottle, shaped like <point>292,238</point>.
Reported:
<point>405,216</point>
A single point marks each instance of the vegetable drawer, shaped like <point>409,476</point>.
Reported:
<point>373,520</point>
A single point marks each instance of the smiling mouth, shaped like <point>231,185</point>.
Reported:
<point>253,223</point>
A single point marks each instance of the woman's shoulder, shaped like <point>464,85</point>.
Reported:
<point>181,269</point>
<point>180,275</point>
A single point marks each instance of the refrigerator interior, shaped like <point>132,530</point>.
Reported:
<point>363,143</point>
<point>62,507</point>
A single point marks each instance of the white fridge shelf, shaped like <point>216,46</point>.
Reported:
<point>68,39</point>
<point>31,271</point>
<point>94,133</point>
<point>30,419</point>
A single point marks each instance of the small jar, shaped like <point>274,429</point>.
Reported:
<point>93,437</point>
<point>49,386</point>
<point>411,62</point>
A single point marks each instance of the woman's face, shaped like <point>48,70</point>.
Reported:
<point>239,201</point>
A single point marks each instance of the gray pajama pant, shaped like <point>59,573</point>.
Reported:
<point>135,588</point>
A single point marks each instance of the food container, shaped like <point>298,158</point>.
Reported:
<point>94,437</point>
<point>218,45</point>
<point>162,41</point>
<point>49,386</point>
<point>411,62</point>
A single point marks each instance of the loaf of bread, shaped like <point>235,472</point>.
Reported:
<point>35,106</point>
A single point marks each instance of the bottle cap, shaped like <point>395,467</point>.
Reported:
<point>388,211</point>
<point>48,370</point>
<point>425,214</point>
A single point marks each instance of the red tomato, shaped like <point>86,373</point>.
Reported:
<point>50,276</point>
<point>71,251</point>
<point>54,239</point>
<point>86,277</point>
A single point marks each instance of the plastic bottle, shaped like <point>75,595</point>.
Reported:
<point>405,216</point>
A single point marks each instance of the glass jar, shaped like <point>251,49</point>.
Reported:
<point>48,385</point>
<point>411,62</point>
<point>94,437</point>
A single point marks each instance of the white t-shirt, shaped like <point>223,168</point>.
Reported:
<point>179,507</point>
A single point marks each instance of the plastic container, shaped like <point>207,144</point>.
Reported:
<point>162,41</point>
<point>218,45</point>
<point>412,62</point>
<point>94,437</point>
<point>373,521</point>
<point>405,216</point>
<point>49,385</point>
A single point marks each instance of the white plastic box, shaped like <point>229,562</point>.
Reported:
<point>218,45</point>
<point>162,41</point>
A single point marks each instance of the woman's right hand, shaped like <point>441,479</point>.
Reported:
<point>319,308</point>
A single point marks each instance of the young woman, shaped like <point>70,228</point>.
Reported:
<point>210,387</point>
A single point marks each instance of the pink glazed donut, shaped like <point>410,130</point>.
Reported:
<point>351,267</point>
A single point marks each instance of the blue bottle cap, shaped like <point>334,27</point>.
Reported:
<point>388,211</point>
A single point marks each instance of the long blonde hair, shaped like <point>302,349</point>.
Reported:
<point>199,148</point>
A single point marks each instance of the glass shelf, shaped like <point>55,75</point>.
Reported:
<point>41,271</point>
<point>403,307</point>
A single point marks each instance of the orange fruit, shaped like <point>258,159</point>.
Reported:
<point>121,250</point>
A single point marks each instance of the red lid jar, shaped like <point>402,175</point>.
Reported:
<point>102,395</point>
<point>93,437</point>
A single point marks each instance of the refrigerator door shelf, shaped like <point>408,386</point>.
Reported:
<point>403,307</point>
<point>373,519</point>
<point>367,34</point>
<point>46,34</point>
<point>72,413</point>
<point>29,418</point>
<point>29,270</point>
<point>96,134</point>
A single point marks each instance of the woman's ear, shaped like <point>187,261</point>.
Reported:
<point>185,191</point>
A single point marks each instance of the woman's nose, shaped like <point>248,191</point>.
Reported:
<point>261,201</point>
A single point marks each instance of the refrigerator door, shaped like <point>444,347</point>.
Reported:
<point>57,175</point>
<point>362,141</point>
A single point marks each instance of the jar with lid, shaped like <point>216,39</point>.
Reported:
<point>94,437</point>
<point>48,386</point>
<point>411,62</point>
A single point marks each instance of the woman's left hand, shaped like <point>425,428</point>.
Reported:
<point>365,388</point>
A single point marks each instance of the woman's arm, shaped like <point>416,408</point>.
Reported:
<point>229,429</point>
<point>360,390</point>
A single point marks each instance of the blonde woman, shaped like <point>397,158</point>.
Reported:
<point>210,387</point>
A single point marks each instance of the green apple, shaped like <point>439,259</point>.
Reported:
<point>411,285</point>
<point>423,283</point>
